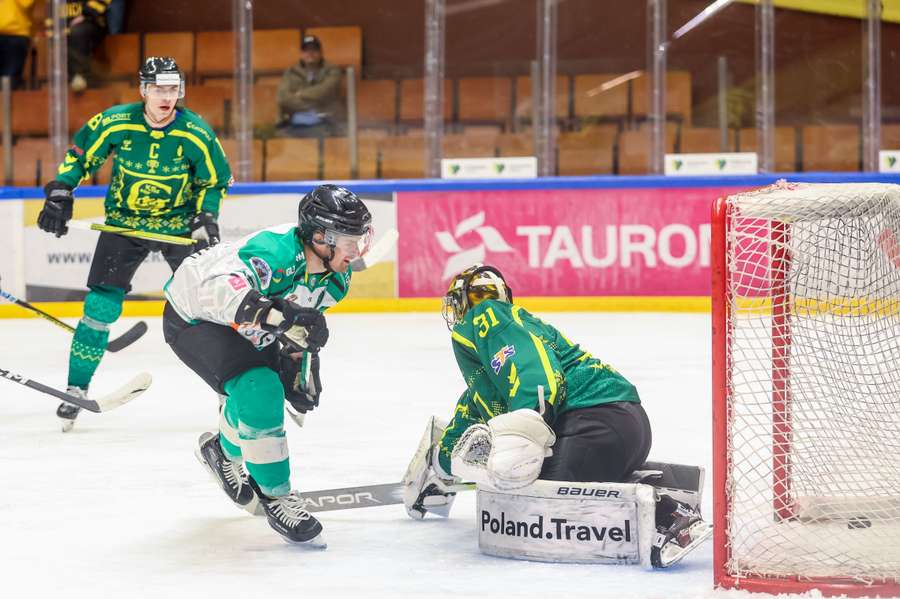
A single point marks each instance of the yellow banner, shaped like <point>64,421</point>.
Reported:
<point>890,11</point>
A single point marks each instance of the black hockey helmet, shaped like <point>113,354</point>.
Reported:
<point>339,214</point>
<point>470,287</point>
<point>161,70</point>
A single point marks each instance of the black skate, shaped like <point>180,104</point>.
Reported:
<point>679,530</point>
<point>66,412</point>
<point>230,475</point>
<point>289,519</point>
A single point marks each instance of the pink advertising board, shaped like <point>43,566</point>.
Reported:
<point>560,242</point>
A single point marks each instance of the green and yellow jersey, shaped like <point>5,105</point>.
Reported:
<point>160,177</point>
<point>510,360</point>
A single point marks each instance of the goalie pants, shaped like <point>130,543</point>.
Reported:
<point>603,443</point>
<point>251,422</point>
<point>116,259</point>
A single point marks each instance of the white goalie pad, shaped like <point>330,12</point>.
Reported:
<point>420,475</point>
<point>556,521</point>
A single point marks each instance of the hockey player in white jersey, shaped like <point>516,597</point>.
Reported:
<point>247,317</point>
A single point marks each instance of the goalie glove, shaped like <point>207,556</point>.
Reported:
<point>427,488</point>
<point>507,453</point>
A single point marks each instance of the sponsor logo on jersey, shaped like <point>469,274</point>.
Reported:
<point>263,271</point>
<point>503,354</point>
<point>554,529</point>
<point>237,283</point>
<point>280,273</point>
<point>201,130</point>
<point>122,116</point>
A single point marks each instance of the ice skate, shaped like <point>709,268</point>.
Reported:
<point>66,412</point>
<point>679,530</point>
<point>230,475</point>
<point>286,514</point>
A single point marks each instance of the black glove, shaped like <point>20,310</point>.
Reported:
<point>57,210</point>
<point>304,328</point>
<point>205,229</point>
<point>302,395</point>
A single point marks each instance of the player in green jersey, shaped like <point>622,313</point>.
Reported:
<point>247,318</point>
<point>536,406</point>
<point>169,176</point>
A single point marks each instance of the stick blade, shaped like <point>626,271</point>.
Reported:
<point>130,390</point>
<point>128,337</point>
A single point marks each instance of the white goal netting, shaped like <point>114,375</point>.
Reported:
<point>813,403</point>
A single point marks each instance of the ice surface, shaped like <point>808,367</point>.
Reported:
<point>120,507</point>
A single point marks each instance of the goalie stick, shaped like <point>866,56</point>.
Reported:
<point>105,403</point>
<point>365,496</point>
<point>117,344</point>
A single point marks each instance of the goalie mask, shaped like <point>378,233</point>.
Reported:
<point>160,73</point>
<point>469,288</point>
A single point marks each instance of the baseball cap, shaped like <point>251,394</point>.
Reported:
<point>310,41</point>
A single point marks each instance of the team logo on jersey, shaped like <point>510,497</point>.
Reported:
<point>263,271</point>
<point>503,354</point>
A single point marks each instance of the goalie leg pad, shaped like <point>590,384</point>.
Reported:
<point>423,489</point>
<point>559,521</point>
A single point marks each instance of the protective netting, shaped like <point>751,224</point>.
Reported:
<point>813,283</point>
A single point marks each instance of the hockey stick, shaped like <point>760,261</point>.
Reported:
<point>162,237</point>
<point>365,496</point>
<point>378,251</point>
<point>117,344</point>
<point>110,401</point>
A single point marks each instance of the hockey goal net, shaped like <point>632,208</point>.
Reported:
<point>806,386</point>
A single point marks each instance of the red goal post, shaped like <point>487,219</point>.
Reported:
<point>806,388</point>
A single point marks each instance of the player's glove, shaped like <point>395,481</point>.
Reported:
<point>302,329</point>
<point>299,391</point>
<point>205,229</point>
<point>57,210</point>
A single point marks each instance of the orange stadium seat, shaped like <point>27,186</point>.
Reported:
<point>289,159</point>
<point>831,148</point>
<point>83,106</point>
<point>469,146</point>
<point>340,45</point>
<point>524,107</point>
<point>402,157</point>
<point>274,50</point>
<point>33,164</point>
<point>890,137</point>
<point>516,144</point>
<point>376,102</point>
<point>265,105</point>
<point>678,95</point>
<point>634,149</point>
<point>412,100</point>
<point>336,158</point>
<point>214,54</point>
<point>121,56</point>
<point>704,139</point>
<point>30,114</point>
<point>601,96</point>
<point>785,147</point>
<point>209,102</point>
<point>587,152</point>
<point>179,45</point>
<point>231,152</point>
<point>485,100</point>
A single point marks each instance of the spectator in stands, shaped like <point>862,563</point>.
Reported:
<point>15,36</point>
<point>115,17</point>
<point>309,97</point>
<point>87,28</point>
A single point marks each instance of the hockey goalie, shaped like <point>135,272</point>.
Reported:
<point>555,440</point>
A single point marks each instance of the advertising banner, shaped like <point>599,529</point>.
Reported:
<point>56,269</point>
<point>560,242</point>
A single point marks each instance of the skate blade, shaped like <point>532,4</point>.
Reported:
<point>317,542</point>
<point>66,424</point>
<point>673,553</point>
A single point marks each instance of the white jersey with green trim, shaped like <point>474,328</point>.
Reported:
<point>211,284</point>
